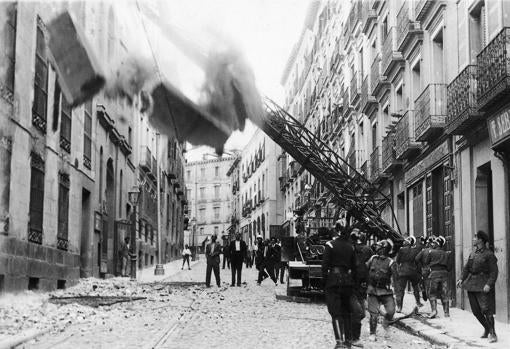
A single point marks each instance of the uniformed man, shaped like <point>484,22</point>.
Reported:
<point>478,278</point>
<point>339,273</point>
<point>438,261</point>
<point>407,272</point>
<point>422,267</point>
<point>363,254</point>
<point>381,268</point>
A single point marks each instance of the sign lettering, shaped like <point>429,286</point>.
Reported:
<point>499,127</point>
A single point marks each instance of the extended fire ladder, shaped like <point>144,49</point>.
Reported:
<point>360,198</point>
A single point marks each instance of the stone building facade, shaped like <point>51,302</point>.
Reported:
<point>66,172</point>
<point>411,94</point>
<point>208,189</point>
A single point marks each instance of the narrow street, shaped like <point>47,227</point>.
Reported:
<point>178,314</point>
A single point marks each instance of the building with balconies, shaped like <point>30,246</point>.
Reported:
<point>209,190</point>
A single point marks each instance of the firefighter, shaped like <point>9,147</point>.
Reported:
<point>424,268</point>
<point>339,273</point>
<point>363,254</point>
<point>439,265</point>
<point>407,272</point>
<point>381,268</point>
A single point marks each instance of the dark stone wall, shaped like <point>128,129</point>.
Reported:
<point>20,260</point>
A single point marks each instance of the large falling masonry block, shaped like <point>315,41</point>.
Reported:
<point>78,70</point>
<point>177,116</point>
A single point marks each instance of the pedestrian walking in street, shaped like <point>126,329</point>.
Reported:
<point>338,275</point>
<point>438,260</point>
<point>226,253</point>
<point>264,261</point>
<point>277,257</point>
<point>407,271</point>
<point>381,269</point>
<point>282,265</point>
<point>212,254</point>
<point>237,252</point>
<point>478,279</point>
<point>363,254</point>
<point>186,253</point>
<point>247,258</point>
<point>424,269</point>
<point>124,256</point>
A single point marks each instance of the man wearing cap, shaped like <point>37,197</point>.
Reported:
<point>407,272</point>
<point>381,268</point>
<point>363,254</point>
<point>339,275</point>
<point>439,263</point>
<point>478,278</point>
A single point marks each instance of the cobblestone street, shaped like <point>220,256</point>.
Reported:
<point>196,317</point>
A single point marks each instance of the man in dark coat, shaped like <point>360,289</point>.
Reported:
<point>381,269</point>
<point>237,252</point>
<point>339,275</point>
<point>226,254</point>
<point>478,278</point>
<point>264,261</point>
<point>407,272</point>
<point>363,254</point>
<point>422,266</point>
<point>212,254</point>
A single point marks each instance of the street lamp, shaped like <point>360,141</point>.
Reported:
<point>133,197</point>
<point>193,227</point>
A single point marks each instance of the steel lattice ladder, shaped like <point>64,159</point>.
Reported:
<point>360,198</point>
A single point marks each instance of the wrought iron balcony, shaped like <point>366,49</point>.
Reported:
<point>368,102</point>
<point>406,28</point>
<point>430,112</point>
<point>62,243</point>
<point>347,108</point>
<point>405,142</point>
<point>369,15</point>
<point>35,236</point>
<point>494,71</point>
<point>389,159</point>
<point>377,80</point>
<point>171,169</point>
<point>462,104</point>
<point>391,56</point>
<point>146,159</point>
<point>86,162</point>
<point>376,166</point>
<point>355,88</point>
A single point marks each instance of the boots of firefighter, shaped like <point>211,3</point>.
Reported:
<point>347,321</point>
<point>416,292</point>
<point>433,307</point>
<point>481,318</point>
<point>373,327</point>
<point>492,331</point>
<point>446,307</point>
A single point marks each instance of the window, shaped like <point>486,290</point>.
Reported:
<point>201,215</point>
<point>202,173</point>
<point>100,196</point>
<point>9,37</point>
<point>216,213</point>
<point>65,124</point>
<point>216,171</point>
<point>477,30</point>
<point>202,193</point>
<point>216,191</point>
<point>384,29</point>
<point>87,135</point>
<point>121,183</point>
<point>36,206</point>
<point>216,229</point>
<point>438,57</point>
<point>416,80</point>
<point>40,81</point>
<point>188,175</point>
<point>399,101</point>
<point>374,135</point>
<point>167,210</point>
<point>63,211</point>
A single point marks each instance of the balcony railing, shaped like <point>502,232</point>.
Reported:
<point>369,15</point>
<point>422,7</point>
<point>146,159</point>
<point>376,168</point>
<point>494,71</point>
<point>405,142</point>
<point>390,53</point>
<point>376,79</point>
<point>462,104</point>
<point>171,169</point>
<point>406,28</point>
<point>389,160</point>
<point>355,88</point>
<point>430,112</point>
<point>346,103</point>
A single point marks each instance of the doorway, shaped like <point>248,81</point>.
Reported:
<point>86,248</point>
<point>109,217</point>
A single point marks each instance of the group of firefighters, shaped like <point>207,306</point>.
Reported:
<point>355,273</point>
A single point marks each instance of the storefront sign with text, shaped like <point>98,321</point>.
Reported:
<point>499,127</point>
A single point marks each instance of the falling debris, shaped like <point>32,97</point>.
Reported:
<point>79,73</point>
